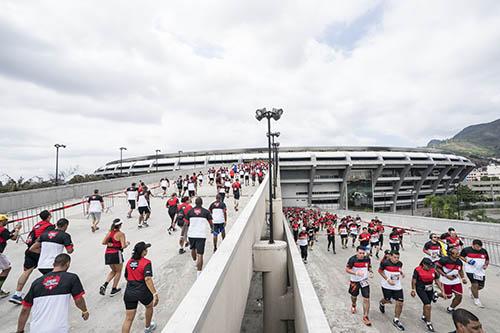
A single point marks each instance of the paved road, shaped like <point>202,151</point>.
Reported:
<point>173,273</point>
<point>330,281</point>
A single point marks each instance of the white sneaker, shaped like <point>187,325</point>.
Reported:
<point>478,303</point>
<point>470,293</point>
<point>151,328</point>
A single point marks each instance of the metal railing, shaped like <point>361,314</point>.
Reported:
<point>27,218</point>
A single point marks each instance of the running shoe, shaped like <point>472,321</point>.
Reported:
<point>139,226</point>
<point>435,297</point>
<point>181,251</point>
<point>367,321</point>
<point>4,293</point>
<point>102,290</point>
<point>450,309</point>
<point>398,324</point>
<point>381,307</point>
<point>353,309</point>
<point>151,328</point>
<point>430,328</point>
<point>16,299</point>
<point>145,224</point>
<point>478,303</point>
<point>115,291</point>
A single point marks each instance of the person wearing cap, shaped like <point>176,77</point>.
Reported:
<point>31,256</point>
<point>140,288</point>
<point>199,218</point>
<point>424,276</point>
<point>115,242</point>
<point>5,235</point>
<point>302,242</point>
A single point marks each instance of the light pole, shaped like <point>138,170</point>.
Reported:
<point>157,151</point>
<point>179,166</point>
<point>273,145</point>
<point>412,200</point>
<point>57,145</point>
<point>121,159</point>
<point>276,115</point>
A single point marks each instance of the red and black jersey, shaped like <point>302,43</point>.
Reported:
<point>136,272</point>
<point>49,297</point>
<point>330,231</point>
<point>172,202</point>
<point>364,238</point>
<point>37,230</point>
<point>356,264</point>
<point>236,187</point>
<point>295,226</point>
<point>394,237</point>
<point>380,228</point>
<point>113,245</point>
<point>4,237</point>
<point>424,277</point>
<point>454,242</point>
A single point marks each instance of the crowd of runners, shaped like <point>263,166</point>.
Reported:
<point>49,246</point>
<point>446,264</point>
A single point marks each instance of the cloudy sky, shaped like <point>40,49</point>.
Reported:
<point>188,75</point>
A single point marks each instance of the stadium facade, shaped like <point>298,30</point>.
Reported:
<point>365,178</point>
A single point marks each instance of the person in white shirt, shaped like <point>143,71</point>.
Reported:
<point>476,260</point>
<point>218,210</point>
<point>199,218</point>
<point>131,193</point>
<point>392,273</point>
<point>143,206</point>
<point>51,244</point>
<point>164,184</point>
<point>95,206</point>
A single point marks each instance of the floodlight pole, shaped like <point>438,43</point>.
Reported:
<point>121,159</point>
<point>57,145</point>
<point>157,151</point>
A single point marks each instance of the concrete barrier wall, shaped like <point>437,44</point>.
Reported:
<point>309,315</point>
<point>467,228</point>
<point>222,288</point>
<point>15,201</point>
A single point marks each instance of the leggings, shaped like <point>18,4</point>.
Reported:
<point>331,241</point>
<point>303,251</point>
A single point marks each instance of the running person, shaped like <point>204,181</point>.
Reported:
<point>51,244</point>
<point>432,248</point>
<point>295,230</point>
<point>353,231</point>
<point>48,299</point>
<point>191,187</point>
<point>302,243</point>
<point>179,182</point>
<point>31,257</point>
<point>344,233</point>
<point>164,184</point>
<point>359,268</point>
<point>392,273</point>
<point>140,288</point>
<point>181,219</point>
<point>374,241</point>
<point>5,265</point>
<point>198,218</point>
<point>236,193</point>
<point>172,210</point>
<point>143,207</point>
<point>422,285</point>
<point>394,240</point>
<point>219,213</point>
<point>95,207</point>
<point>131,193</point>
<point>476,260</point>
<point>451,272</point>
<point>364,239</point>
<point>115,242</point>
<point>330,234</point>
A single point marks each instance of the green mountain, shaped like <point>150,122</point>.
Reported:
<point>476,141</point>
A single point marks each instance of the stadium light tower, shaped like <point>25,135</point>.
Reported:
<point>121,158</point>
<point>157,151</point>
<point>276,115</point>
<point>57,145</point>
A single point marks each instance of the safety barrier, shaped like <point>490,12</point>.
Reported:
<point>308,313</point>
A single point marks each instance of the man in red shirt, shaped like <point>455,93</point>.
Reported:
<point>236,193</point>
<point>330,232</point>
<point>31,256</point>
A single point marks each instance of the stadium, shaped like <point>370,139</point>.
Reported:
<point>363,178</point>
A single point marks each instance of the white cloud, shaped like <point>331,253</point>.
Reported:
<point>188,75</point>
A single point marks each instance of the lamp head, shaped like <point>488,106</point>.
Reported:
<point>277,113</point>
<point>259,114</point>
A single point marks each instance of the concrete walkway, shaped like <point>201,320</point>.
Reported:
<point>173,273</point>
<point>327,271</point>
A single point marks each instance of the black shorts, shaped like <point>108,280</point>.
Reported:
<point>191,193</point>
<point>131,203</point>
<point>113,258</point>
<point>132,299</point>
<point>425,296</point>
<point>164,188</point>
<point>218,228</point>
<point>144,210</point>
<point>198,244</point>
<point>316,229</point>
<point>354,236</point>
<point>30,259</point>
<point>479,282</point>
<point>355,287</point>
<point>374,244</point>
<point>396,295</point>
<point>236,196</point>
<point>343,236</point>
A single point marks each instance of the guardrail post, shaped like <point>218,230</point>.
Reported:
<point>271,260</point>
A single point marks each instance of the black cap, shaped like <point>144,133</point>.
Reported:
<point>138,248</point>
<point>427,262</point>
